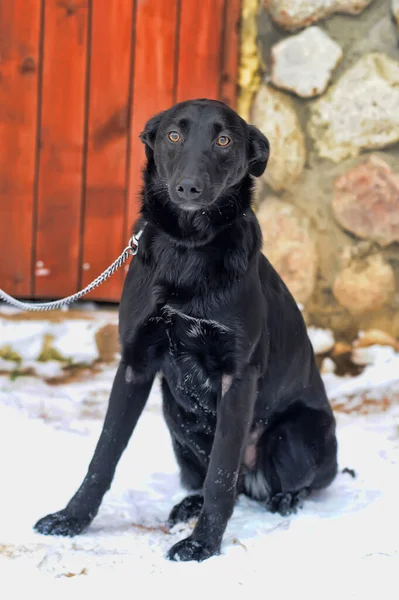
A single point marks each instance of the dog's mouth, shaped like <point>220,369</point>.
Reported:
<point>189,205</point>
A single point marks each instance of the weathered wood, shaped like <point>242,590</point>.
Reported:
<point>106,175</point>
<point>200,49</point>
<point>230,52</point>
<point>19,73</point>
<point>61,148</point>
<point>154,81</point>
<point>78,81</point>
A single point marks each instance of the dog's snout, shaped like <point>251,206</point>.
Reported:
<point>189,188</point>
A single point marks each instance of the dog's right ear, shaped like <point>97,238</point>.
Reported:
<point>149,134</point>
<point>259,149</point>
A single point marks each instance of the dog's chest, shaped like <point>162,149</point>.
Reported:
<point>193,353</point>
<point>199,350</point>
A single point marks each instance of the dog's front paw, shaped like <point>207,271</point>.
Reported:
<point>190,549</point>
<point>61,523</point>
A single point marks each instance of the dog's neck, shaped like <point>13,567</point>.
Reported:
<point>198,228</point>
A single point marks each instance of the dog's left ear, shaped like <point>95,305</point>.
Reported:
<point>259,149</point>
<point>149,134</point>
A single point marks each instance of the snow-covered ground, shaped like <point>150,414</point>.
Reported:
<point>343,544</point>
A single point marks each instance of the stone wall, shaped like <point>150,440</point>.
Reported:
<point>321,79</point>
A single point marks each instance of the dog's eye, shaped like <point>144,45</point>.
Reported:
<point>223,140</point>
<point>174,136</point>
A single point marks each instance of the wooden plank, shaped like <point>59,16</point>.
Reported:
<point>200,49</point>
<point>61,147</point>
<point>19,60</point>
<point>154,81</point>
<point>106,175</point>
<point>230,52</point>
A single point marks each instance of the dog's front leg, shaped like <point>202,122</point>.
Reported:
<point>126,403</point>
<point>234,417</point>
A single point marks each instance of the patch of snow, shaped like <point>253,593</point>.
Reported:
<point>24,337</point>
<point>322,340</point>
<point>380,377</point>
<point>373,355</point>
<point>344,542</point>
<point>7,366</point>
<point>346,535</point>
<point>68,332</point>
<point>47,370</point>
<point>6,309</point>
<point>328,366</point>
<point>51,369</point>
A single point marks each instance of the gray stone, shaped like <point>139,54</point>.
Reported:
<point>360,111</point>
<point>366,201</point>
<point>365,286</point>
<point>294,14</point>
<point>107,341</point>
<point>289,246</point>
<point>304,63</point>
<point>375,337</point>
<point>274,114</point>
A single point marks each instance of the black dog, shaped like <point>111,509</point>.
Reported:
<point>242,396</point>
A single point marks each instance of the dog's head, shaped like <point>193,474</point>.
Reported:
<point>201,149</point>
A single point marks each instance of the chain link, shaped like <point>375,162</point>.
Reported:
<point>130,250</point>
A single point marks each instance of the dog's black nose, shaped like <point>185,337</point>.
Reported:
<point>189,188</point>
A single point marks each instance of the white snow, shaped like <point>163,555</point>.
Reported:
<point>379,378</point>
<point>343,544</point>
<point>375,354</point>
<point>345,541</point>
<point>322,339</point>
<point>26,338</point>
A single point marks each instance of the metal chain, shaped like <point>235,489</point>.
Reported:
<point>130,250</point>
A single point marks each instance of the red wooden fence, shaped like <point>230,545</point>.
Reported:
<point>78,80</point>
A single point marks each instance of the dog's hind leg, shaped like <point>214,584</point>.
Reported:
<point>192,470</point>
<point>126,403</point>
<point>294,457</point>
<point>192,477</point>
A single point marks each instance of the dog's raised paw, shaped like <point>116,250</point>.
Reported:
<point>187,509</point>
<point>60,523</point>
<point>190,549</point>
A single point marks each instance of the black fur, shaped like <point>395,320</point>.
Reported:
<point>243,399</point>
